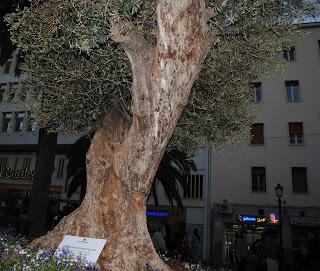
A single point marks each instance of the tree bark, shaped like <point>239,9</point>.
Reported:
<point>124,155</point>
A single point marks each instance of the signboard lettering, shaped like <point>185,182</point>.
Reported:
<point>305,221</point>
<point>9,173</point>
<point>258,219</point>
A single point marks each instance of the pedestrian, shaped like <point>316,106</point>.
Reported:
<point>271,249</point>
<point>158,240</point>
<point>195,244</point>
<point>241,251</point>
<point>185,249</point>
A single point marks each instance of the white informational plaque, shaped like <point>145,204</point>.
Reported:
<point>88,249</point>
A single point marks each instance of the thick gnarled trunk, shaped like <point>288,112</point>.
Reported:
<point>112,209</point>
<point>124,156</point>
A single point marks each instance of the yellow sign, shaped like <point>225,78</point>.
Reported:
<point>261,219</point>
<point>9,173</point>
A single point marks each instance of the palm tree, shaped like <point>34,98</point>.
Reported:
<point>46,148</point>
<point>172,172</point>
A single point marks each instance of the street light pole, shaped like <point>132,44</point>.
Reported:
<point>280,223</point>
<point>279,193</point>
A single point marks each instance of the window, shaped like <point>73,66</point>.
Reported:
<point>19,121</point>
<point>16,163</point>
<point>293,91</point>
<point>289,54</point>
<point>6,121</point>
<point>60,172</point>
<point>299,180</point>
<point>257,135</point>
<point>195,187</point>
<point>258,179</point>
<point>296,133</point>
<point>31,125</point>
<point>7,66</point>
<point>2,91</point>
<point>13,87</point>
<point>257,92</point>
<point>26,163</point>
<point>3,163</point>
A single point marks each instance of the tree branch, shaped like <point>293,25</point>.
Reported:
<point>212,12</point>
<point>139,54</point>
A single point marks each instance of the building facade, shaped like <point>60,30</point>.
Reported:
<point>283,149</point>
<point>18,146</point>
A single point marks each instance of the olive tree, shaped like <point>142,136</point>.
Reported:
<point>147,75</point>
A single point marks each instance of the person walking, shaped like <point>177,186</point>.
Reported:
<point>241,251</point>
<point>271,249</point>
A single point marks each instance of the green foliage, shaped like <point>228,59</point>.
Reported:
<point>79,72</point>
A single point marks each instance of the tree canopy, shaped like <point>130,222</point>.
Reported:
<point>78,70</point>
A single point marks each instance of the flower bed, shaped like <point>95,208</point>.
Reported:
<point>17,255</point>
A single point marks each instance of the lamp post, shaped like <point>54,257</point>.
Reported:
<point>279,193</point>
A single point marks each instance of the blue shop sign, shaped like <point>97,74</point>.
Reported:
<point>157,214</point>
<point>252,219</point>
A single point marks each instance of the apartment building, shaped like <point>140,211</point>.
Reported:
<point>18,144</point>
<point>283,149</point>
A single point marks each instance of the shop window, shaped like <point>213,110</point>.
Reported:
<point>257,134</point>
<point>61,165</point>
<point>289,54</point>
<point>6,121</point>
<point>195,187</point>
<point>19,121</point>
<point>257,93</point>
<point>293,91</point>
<point>299,180</point>
<point>296,133</point>
<point>258,175</point>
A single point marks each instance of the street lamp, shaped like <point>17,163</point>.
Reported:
<point>279,192</point>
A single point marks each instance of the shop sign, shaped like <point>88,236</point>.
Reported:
<point>305,221</point>
<point>252,219</point>
<point>157,214</point>
<point>271,219</point>
<point>9,173</point>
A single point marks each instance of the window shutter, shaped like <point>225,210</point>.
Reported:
<point>257,133</point>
